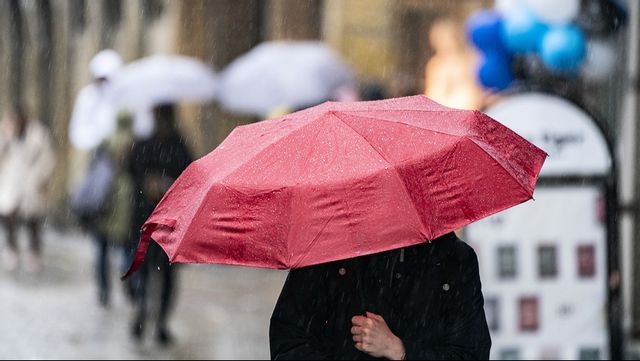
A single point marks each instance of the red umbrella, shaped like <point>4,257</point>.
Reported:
<point>341,180</point>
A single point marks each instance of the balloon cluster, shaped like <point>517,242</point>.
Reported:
<point>568,37</point>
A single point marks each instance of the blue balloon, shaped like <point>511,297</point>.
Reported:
<point>484,28</point>
<point>494,72</point>
<point>563,49</point>
<point>522,32</point>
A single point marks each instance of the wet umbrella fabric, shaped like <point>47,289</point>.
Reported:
<point>341,180</point>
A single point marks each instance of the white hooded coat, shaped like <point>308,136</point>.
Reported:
<point>26,165</point>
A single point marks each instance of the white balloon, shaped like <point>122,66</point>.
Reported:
<point>555,11</point>
<point>599,62</point>
<point>505,7</point>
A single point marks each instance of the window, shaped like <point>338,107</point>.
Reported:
<point>507,262</point>
<point>492,311</point>
<point>589,354</point>
<point>547,262</point>
<point>601,209</point>
<point>586,261</point>
<point>510,354</point>
<point>528,314</point>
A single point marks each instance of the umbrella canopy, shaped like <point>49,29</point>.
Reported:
<point>137,87</point>
<point>160,79</point>
<point>341,180</point>
<point>157,79</point>
<point>289,74</point>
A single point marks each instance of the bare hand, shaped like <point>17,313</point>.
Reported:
<point>372,336</point>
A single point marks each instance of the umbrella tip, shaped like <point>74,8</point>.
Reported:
<point>126,275</point>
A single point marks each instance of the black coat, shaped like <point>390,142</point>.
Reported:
<point>429,295</point>
<point>166,158</point>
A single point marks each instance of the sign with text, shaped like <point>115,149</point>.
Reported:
<point>568,134</point>
<point>543,263</point>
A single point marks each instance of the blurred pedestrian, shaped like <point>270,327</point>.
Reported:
<point>372,90</point>
<point>113,225</point>
<point>26,162</point>
<point>450,77</point>
<point>93,117</point>
<point>154,165</point>
<point>420,302</point>
<point>101,200</point>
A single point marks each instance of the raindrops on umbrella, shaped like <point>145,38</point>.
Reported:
<point>309,187</point>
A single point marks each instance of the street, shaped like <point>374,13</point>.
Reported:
<point>221,312</point>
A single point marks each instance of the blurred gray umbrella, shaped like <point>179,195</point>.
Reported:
<point>289,74</point>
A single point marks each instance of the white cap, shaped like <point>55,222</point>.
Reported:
<point>105,64</point>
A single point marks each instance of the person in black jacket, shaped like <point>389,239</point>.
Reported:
<point>154,165</point>
<point>418,302</point>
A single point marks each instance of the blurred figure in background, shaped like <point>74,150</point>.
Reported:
<point>402,85</point>
<point>113,226</point>
<point>346,93</point>
<point>450,73</point>
<point>101,199</point>
<point>93,114</point>
<point>26,162</point>
<point>372,90</point>
<point>154,165</point>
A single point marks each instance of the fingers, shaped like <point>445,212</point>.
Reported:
<point>364,347</point>
<point>374,316</point>
<point>362,321</point>
<point>359,346</point>
<point>358,338</point>
<point>357,330</point>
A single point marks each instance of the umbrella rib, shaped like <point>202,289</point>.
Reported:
<point>508,169</point>
<point>361,136</point>
<point>450,110</point>
<point>502,164</point>
<point>450,167</point>
<point>231,173</point>
<point>200,206</point>
<point>312,243</point>
<point>404,186</point>
<point>391,121</point>
<point>253,157</point>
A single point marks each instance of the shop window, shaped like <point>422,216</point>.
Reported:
<point>492,312</point>
<point>507,267</point>
<point>547,262</point>
<point>586,261</point>
<point>528,314</point>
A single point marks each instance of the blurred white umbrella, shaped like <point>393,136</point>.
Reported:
<point>138,87</point>
<point>144,83</point>
<point>162,79</point>
<point>283,74</point>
